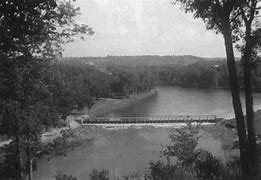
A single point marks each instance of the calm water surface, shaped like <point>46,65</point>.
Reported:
<point>128,151</point>
<point>122,152</point>
<point>184,101</point>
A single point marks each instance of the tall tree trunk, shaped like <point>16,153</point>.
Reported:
<point>235,92</point>
<point>30,164</point>
<point>249,104</point>
<point>18,160</point>
<point>18,167</point>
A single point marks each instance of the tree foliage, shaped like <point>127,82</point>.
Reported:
<point>76,84</point>
<point>193,161</point>
<point>230,17</point>
<point>38,28</point>
<point>31,32</point>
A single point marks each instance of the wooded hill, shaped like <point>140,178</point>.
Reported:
<point>145,60</point>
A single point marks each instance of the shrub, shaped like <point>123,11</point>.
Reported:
<point>206,165</point>
<point>61,176</point>
<point>160,171</point>
<point>99,175</point>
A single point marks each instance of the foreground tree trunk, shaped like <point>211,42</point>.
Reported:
<point>249,104</point>
<point>18,168</point>
<point>235,92</point>
<point>30,162</point>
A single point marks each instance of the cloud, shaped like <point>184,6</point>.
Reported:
<point>138,27</point>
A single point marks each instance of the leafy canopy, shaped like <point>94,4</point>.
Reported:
<point>215,14</point>
<point>38,27</point>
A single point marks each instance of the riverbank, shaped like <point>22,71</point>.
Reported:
<point>103,107</point>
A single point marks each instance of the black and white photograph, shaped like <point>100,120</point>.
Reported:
<point>130,89</point>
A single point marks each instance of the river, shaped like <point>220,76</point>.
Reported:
<point>128,151</point>
<point>184,101</point>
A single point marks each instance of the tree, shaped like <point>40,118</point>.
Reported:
<point>247,11</point>
<point>191,161</point>
<point>183,143</point>
<point>222,16</point>
<point>23,104</point>
<point>31,33</point>
<point>38,28</point>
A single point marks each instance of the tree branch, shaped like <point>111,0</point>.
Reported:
<point>253,10</point>
<point>232,19</point>
<point>243,14</point>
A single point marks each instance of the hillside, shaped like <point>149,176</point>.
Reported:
<point>137,60</point>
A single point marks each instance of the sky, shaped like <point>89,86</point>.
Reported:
<point>142,27</point>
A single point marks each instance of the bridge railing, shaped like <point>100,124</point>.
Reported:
<point>155,119</point>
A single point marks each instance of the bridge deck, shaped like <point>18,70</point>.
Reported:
<point>151,120</point>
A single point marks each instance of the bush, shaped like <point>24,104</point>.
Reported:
<point>61,176</point>
<point>161,171</point>
<point>60,145</point>
<point>99,175</point>
<point>206,165</point>
<point>232,170</point>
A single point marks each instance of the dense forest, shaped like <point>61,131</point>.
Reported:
<point>185,71</point>
<point>75,84</point>
<point>203,74</point>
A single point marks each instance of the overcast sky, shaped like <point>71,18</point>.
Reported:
<point>143,27</point>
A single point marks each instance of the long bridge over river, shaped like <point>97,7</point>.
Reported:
<point>151,120</point>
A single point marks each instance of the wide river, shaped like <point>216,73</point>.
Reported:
<point>128,151</point>
<point>185,101</point>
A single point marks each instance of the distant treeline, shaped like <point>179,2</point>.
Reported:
<point>203,74</point>
<point>138,73</point>
<point>134,61</point>
<point>185,71</point>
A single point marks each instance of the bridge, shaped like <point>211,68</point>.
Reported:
<point>151,120</point>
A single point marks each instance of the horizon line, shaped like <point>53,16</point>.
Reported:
<point>143,55</point>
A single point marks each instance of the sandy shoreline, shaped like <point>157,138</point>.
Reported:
<point>103,107</point>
